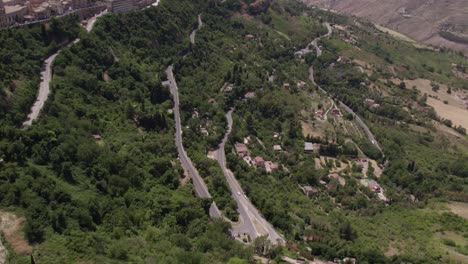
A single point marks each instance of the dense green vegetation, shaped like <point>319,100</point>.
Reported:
<point>22,55</point>
<point>225,54</point>
<point>119,199</point>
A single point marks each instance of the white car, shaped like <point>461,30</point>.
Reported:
<point>238,193</point>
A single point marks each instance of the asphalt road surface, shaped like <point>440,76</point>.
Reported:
<point>46,78</point>
<point>251,222</point>
<point>199,185</point>
<point>44,90</point>
<point>92,21</point>
<point>363,125</point>
<point>194,32</point>
<point>314,42</point>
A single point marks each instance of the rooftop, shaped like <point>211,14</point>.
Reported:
<point>308,146</point>
<point>240,148</point>
<point>259,159</point>
<point>13,9</point>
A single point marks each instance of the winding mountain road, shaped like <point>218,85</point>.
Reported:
<point>363,125</point>
<point>199,185</point>
<point>194,32</point>
<point>44,90</point>
<point>314,43</point>
<point>46,78</point>
<point>251,222</point>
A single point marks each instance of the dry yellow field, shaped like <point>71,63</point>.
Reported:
<point>455,110</point>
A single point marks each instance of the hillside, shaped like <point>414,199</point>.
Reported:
<point>438,23</point>
<point>340,140</point>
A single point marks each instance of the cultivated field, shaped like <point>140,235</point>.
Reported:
<point>455,109</point>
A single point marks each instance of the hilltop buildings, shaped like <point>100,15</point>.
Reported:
<point>14,12</point>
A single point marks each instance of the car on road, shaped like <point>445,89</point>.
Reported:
<point>238,193</point>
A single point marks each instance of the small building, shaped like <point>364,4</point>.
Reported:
<point>249,36</point>
<point>259,162</point>
<point>308,190</point>
<point>311,147</point>
<point>346,260</point>
<point>247,140</point>
<point>369,102</point>
<point>277,148</point>
<point>276,135</point>
<point>343,59</point>
<point>229,88</point>
<point>96,136</point>
<point>336,112</point>
<point>319,114</point>
<point>308,146</point>
<point>374,186</point>
<point>349,260</point>
<point>241,149</point>
<point>204,131</point>
<point>249,95</point>
<point>271,166</point>
<point>14,14</point>
<point>301,84</point>
<point>286,86</point>
<point>248,160</point>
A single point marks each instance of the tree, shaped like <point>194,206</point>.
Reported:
<point>347,232</point>
<point>402,85</point>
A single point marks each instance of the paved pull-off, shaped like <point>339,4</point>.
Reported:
<point>200,188</point>
<point>250,220</point>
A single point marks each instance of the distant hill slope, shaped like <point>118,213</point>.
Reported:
<point>435,22</point>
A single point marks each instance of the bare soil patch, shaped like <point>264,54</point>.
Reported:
<point>455,109</point>
<point>10,226</point>
<point>308,130</point>
<point>392,251</point>
<point>459,208</point>
<point>457,115</point>
<point>377,169</point>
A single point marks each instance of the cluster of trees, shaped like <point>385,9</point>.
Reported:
<point>116,197</point>
<point>275,110</point>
